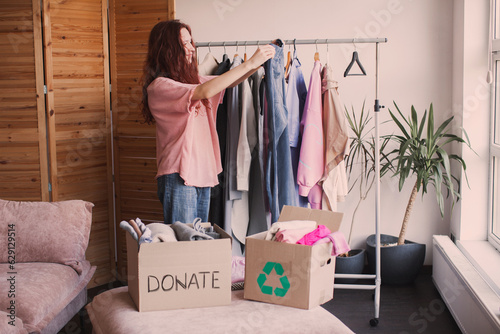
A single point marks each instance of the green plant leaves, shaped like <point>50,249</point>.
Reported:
<point>427,157</point>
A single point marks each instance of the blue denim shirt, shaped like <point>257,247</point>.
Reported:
<point>296,95</point>
<point>279,175</point>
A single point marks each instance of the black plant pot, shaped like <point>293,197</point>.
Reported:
<point>352,264</point>
<point>399,265</point>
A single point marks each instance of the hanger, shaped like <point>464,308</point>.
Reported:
<point>327,53</point>
<point>225,56</point>
<point>355,59</point>
<point>289,62</point>
<point>236,52</point>
<point>316,55</point>
<point>245,56</point>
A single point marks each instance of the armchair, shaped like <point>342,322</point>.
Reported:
<point>43,270</point>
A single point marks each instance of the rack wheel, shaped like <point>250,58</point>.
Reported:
<point>374,322</point>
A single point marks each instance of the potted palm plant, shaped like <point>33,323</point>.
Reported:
<point>360,167</point>
<point>421,152</point>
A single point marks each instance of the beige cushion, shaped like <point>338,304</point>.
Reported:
<point>114,312</point>
<point>56,232</point>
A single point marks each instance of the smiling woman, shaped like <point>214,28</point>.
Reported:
<point>183,105</point>
<point>187,42</point>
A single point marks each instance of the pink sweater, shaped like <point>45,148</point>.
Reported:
<point>311,160</point>
<point>186,135</point>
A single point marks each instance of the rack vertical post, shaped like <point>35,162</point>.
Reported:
<point>377,276</point>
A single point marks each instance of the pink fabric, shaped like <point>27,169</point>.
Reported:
<point>340,245</point>
<point>5,327</point>
<point>186,135</point>
<point>311,159</point>
<point>289,225</point>
<point>55,232</point>
<point>43,290</point>
<point>315,197</point>
<point>309,239</point>
<point>293,235</point>
<point>237,269</point>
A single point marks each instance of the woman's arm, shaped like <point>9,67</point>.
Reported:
<point>235,76</point>
<point>243,78</point>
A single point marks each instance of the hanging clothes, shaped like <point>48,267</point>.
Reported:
<point>217,199</point>
<point>247,143</point>
<point>296,95</point>
<point>334,121</point>
<point>279,176</point>
<point>231,192</point>
<point>209,65</point>
<point>259,213</point>
<point>233,133</point>
<point>311,159</point>
<point>335,127</point>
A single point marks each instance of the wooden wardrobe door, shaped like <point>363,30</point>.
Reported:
<point>134,141</point>
<point>23,144</point>
<point>79,118</point>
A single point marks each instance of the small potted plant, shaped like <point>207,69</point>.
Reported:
<point>360,167</point>
<point>421,152</point>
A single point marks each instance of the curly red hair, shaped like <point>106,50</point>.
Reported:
<point>167,58</point>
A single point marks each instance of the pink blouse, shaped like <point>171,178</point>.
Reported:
<point>186,134</point>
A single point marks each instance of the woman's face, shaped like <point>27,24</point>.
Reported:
<point>187,43</point>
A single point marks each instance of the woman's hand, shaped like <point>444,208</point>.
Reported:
<point>261,55</point>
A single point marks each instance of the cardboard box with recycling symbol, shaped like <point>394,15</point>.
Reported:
<point>289,274</point>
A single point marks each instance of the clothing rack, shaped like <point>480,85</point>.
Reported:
<point>296,41</point>
<point>376,277</point>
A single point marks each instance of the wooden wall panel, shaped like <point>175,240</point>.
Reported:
<point>62,140</point>
<point>23,144</point>
<point>134,141</point>
<point>78,104</point>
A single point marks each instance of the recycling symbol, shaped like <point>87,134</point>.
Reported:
<point>268,290</point>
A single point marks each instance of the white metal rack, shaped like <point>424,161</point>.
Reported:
<point>376,277</point>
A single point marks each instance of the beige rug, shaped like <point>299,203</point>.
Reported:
<point>114,312</point>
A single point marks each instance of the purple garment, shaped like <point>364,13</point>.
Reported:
<point>296,95</point>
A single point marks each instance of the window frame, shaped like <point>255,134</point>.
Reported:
<point>494,144</point>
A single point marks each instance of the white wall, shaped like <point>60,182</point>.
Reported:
<point>415,68</point>
<point>471,106</point>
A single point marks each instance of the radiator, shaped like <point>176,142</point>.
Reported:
<point>472,302</point>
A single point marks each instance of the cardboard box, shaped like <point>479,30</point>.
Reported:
<point>183,274</point>
<point>289,274</point>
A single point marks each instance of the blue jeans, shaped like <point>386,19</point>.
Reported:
<point>180,202</point>
<point>279,174</point>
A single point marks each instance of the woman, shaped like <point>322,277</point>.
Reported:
<point>183,105</point>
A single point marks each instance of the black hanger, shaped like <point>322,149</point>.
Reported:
<point>355,59</point>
